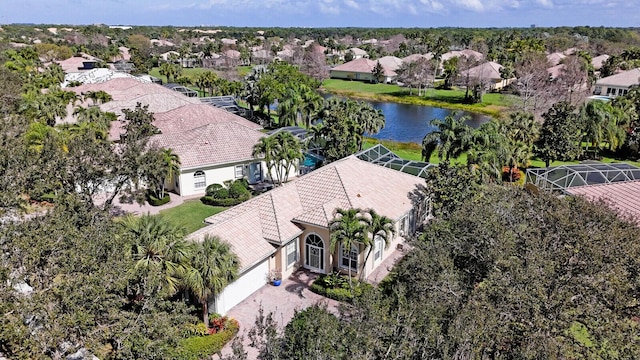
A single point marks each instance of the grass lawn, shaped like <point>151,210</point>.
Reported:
<point>191,214</point>
<point>492,104</point>
<point>413,151</point>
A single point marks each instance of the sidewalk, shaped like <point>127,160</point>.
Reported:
<point>120,208</point>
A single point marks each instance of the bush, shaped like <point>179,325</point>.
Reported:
<point>238,190</point>
<point>208,200</point>
<point>336,287</point>
<point>200,347</point>
<point>154,201</point>
<point>212,188</point>
<point>221,193</point>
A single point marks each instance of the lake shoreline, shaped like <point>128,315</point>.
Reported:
<point>493,111</point>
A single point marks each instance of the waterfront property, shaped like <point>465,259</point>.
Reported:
<point>361,69</point>
<point>288,227</point>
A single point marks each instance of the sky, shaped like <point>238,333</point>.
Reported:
<point>325,13</point>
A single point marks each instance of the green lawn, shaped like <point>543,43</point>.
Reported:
<point>492,104</point>
<point>191,214</point>
<point>413,151</point>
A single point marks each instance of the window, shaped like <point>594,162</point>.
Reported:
<point>608,91</point>
<point>379,246</point>
<point>292,253</point>
<point>239,171</point>
<point>349,259</point>
<point>199,180</point>
<point>403,226</point>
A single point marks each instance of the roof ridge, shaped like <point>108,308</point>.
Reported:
<point>346,194</point>
<point>273,206</point>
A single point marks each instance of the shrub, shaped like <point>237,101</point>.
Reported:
<point>238,190</point>
<point>154,201</point>
<point>336,287</point>
<point>200,347</point>
<point>212,188</point>
<point>221,193</point>
<point>208,200</point>
<point>199,329</point>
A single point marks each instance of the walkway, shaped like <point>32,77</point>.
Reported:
<point>293,294</point>
<point>120,208</point>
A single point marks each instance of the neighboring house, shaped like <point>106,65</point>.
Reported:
<point>598,61</point>
<point>415,57</point>
<point>288,227</point>
<point>360,69</point>
<point>555,71</point>
<point>169,55</point>
<point>78,63</point>
<point>97,75</point>
<point>460,53</point>
<point>358,53</point>
<point>160,42</point>
<point>618,84</point>
<point>212,154</point>
<point>555,58</point>
<point>391,62</point>
<point>488,73</point>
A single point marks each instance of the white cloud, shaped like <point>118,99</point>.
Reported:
<point>475,5</point>
<point>352,4</point>
<point>545,3</point>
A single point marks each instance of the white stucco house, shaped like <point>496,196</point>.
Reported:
<point>288,227</point>
<point>361,69</point>
<point>618,84</point>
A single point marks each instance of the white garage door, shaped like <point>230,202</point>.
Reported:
<point>240,289</point>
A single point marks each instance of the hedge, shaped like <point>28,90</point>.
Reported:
<point>209,200</point>
<point>201,347</point>
<point>342,293</point>
<point>154,201</point>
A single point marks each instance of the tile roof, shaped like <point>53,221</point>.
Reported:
<point>555,71</point>
<point>555,58</point>
<point>488,70</point>
<point>157,102</point>
<point>211,144</point>
<point>312,199</point>
<point>391,62</point>
<point>362,65</point>
<point>599,60</point>
<point>415,57</point>
<point>624,79</point>
<point>623,197</point>
<point>195,115</point>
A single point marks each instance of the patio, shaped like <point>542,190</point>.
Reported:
<point>293,294</point>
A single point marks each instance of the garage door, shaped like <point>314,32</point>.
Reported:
<point>240,289</point>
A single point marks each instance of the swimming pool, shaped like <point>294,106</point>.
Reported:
<point>311,161</point>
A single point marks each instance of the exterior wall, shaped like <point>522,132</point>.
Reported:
<point>248,283</point>
<point>324,234</point>
<point>213,175</point>
<point>611,90</point>
<point>350,75</point>
<point>280,260</point>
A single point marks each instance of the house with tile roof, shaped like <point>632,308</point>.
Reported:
<point>488,73</point>
<point>288,227</point>
<point>617,84</point>
<point>360,69</point>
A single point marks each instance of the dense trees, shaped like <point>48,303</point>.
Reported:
<point>282,153</point>
<point>559,134</point>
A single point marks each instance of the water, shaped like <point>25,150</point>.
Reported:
<point>410,123</point>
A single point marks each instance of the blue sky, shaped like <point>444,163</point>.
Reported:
<point>325,13</point>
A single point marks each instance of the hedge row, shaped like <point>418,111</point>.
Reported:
<point>202,347</point>
<point>210,200</point>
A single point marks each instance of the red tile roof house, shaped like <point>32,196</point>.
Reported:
<point>360,69</point>
<point>489,74</point>
<point>288,227</point>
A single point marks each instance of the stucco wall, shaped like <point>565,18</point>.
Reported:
<point>213,175</point>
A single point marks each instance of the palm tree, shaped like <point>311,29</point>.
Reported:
<point>171,161</point>
<point>599,121</point>
<point>371,121</point>
<point>265,149</point>
<point>213,266</point>
<point>377,73</point>
<point>348,228</point>
<point>289,154</point>
<point>380,226</point>
<point>451,138</point>
<point>159,249</point>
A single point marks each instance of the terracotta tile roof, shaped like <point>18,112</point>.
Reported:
<point>73,64</point>
<point>211,144</point>
<point>555,58</point>
<point>312,199</point>
<point>157,102</point>
<point>362,65</point>
<point>250,247</point>
<point>195,115</point>
<point>488,70</point>
<point>624,79</point>
<point>414,57</point>
<point>391,62</point>
<point>624,197</point>
<point>555,71</point>
<point>598,61</point>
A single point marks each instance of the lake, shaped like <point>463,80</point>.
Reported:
<point>410,123</point>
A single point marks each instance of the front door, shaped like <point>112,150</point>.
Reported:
<point>314,253</point>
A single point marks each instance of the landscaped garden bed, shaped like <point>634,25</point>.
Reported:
<point>227,194</point>
<point>336,286</point>
<point>203,341</point>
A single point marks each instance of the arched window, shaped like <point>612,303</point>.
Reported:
<point>199,180</point>
<point>314,252</point>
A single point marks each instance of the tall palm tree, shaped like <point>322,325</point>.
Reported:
<point>289,154</point>
<point>213,266</point>
<point>371,121</point>
<point>348,228</point>
<point>380,226</point>
<point>266,149</point>
<point>451,138</point>
<point>171,161</point>
<point>160,251</point>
